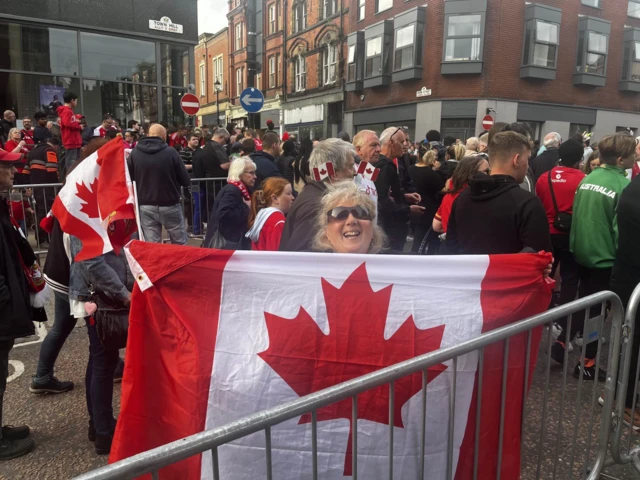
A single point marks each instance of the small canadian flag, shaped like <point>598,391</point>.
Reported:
<point>323,171</point>
<point>368,171</point>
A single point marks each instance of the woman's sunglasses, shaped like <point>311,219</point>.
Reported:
<point>340,214</point>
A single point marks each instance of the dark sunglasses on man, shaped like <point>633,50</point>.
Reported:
<point>340,214</point>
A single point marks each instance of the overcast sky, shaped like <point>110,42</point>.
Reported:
<point>212,15</point>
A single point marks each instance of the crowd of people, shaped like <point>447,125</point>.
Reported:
<point>498,193</point>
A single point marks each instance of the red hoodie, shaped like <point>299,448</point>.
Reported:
<point>70,128</point>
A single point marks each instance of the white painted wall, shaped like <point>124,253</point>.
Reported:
<point>505,112</point>
<point>607,122</point>
<point>428,117</point>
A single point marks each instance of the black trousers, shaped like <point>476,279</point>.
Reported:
<point>591,281</point>
<point>5,348</point>
<point>563,258</point>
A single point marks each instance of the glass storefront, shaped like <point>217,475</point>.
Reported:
<point>110,74</point>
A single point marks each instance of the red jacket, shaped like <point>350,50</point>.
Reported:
<point>565,183</point>
<point>70,128</point>
<point>270,234</point>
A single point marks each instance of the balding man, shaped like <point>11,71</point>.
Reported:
<point>549,158</point>
<point>471,147</point>
<point>7,123</point>
<point>159,173</point>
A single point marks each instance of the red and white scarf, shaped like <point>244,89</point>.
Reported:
<point>242,187</point>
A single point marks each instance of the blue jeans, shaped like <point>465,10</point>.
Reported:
<point>63,325</point>
<point>154,217</point>
<point>197,220</point>
<point>99,382</point>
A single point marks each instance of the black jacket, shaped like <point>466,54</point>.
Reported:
<point>391,211</point>
<point>6,127</point>
<point>41,134</point>
<point>158,172</point>
<point>207,161</point>
<point>230,215</point>
<point>494,215</point>
<point>447,168</point>
<point>285,165</point>
<point>56,268</point>
<point>300,227</point>
<point>15,307</point>
<point>626,269</point>
<point>429,185</point>
<point>543,163</point>
<point>265,166</point>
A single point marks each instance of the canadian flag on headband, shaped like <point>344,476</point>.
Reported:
<point>96,194</point>
<point>323,171</point>
<point>203,354</point>
<point>367,170</point>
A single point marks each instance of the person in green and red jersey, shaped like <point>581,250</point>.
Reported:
<point>594,231</point>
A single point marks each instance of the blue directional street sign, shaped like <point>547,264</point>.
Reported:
<point>251,100</point>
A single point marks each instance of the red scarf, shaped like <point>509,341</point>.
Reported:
<point>243,189</point>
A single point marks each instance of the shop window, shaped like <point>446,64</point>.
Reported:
<point>578,128</point>
<point>382,5</point>
<point>373,57</point>
<point>174,64</point>
<point>299,16</point>
<point>633,131</point>
<point>329,63</point>
<point>300,65</point>
<point>102,58</point>
<point>39,49</point>
<point>593,44</point>
<point>361,9</point>
<point>172,113</point>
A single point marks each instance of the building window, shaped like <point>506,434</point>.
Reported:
<point>239,81</point>
<point>301,73</point>
<point>577,128</point>
<point>272,18</point>
<point>218,70</point>
<point>238,36</point>
<point>351,64</point>
<point>272,72</point>
<point>202,81</point>
<point>299,16</point>
<point>373,60</point>
<point>631,61</point>
<point>591,3</point>
<point>329,7</point>
<point>633,10</point>
<point>361,10</point>
<point>278,71</point>
<point>329,62</point>
<point>592,52</point>
<point>404,47</point>
<point>541,44</point>
<point>258,81</point>
<point>382,5</point>
<point>464,38</point>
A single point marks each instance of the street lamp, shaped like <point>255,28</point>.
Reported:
<point>217,86</point>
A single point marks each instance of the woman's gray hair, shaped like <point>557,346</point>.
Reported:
<point>11,132</point>
<point>332,150</point>
<point>346,192</point>
<point>237,168</point>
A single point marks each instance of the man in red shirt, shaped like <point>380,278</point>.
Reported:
<point>71,130</point>
<point>102,129</point>
<point>564,179</point>
<point>27,133</point>
<point>178,140</point>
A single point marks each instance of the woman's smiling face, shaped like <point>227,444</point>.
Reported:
<point>345,232</point>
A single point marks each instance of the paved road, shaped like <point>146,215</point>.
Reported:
<point>59,422</point>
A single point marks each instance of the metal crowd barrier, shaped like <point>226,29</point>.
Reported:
<point>546,452</point>
<point>196,202</point>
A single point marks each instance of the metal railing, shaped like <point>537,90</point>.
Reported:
<point>154,460</point>
<point>196,205</point>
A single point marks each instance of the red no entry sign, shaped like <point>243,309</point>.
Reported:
<point>487,122</point>
<point>190,104</point>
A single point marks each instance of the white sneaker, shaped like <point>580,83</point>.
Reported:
<point>556,330</point>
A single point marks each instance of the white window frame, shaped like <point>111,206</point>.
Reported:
<point>382,5</point>
<point>239,28</point>
<point>550,43</point>
<point>367,56</point>
<point>411,45</point>
<point>361,9</point>
<point>590,3</point>
<point>239,80</point>
<point>300,73</point>
<point>203,80</point>
<point>272,71</point>
<point>273,22</point>
<point>592,50</point>
<point>478,36</point>
<point>633,10</point>
<point>329,64</point>
<point>218,71</point>
<point>299,16</point>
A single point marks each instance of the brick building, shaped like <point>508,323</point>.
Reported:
<point>315,32</point>
<point>212,74</point>
<point>559,65</point>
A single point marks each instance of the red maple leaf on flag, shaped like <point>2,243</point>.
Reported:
<point>89,197</point>
<point>309,361</point>
<point>323,171</point>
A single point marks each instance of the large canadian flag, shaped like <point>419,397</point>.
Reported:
<point>217,335</point>
<point>97,193</point>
